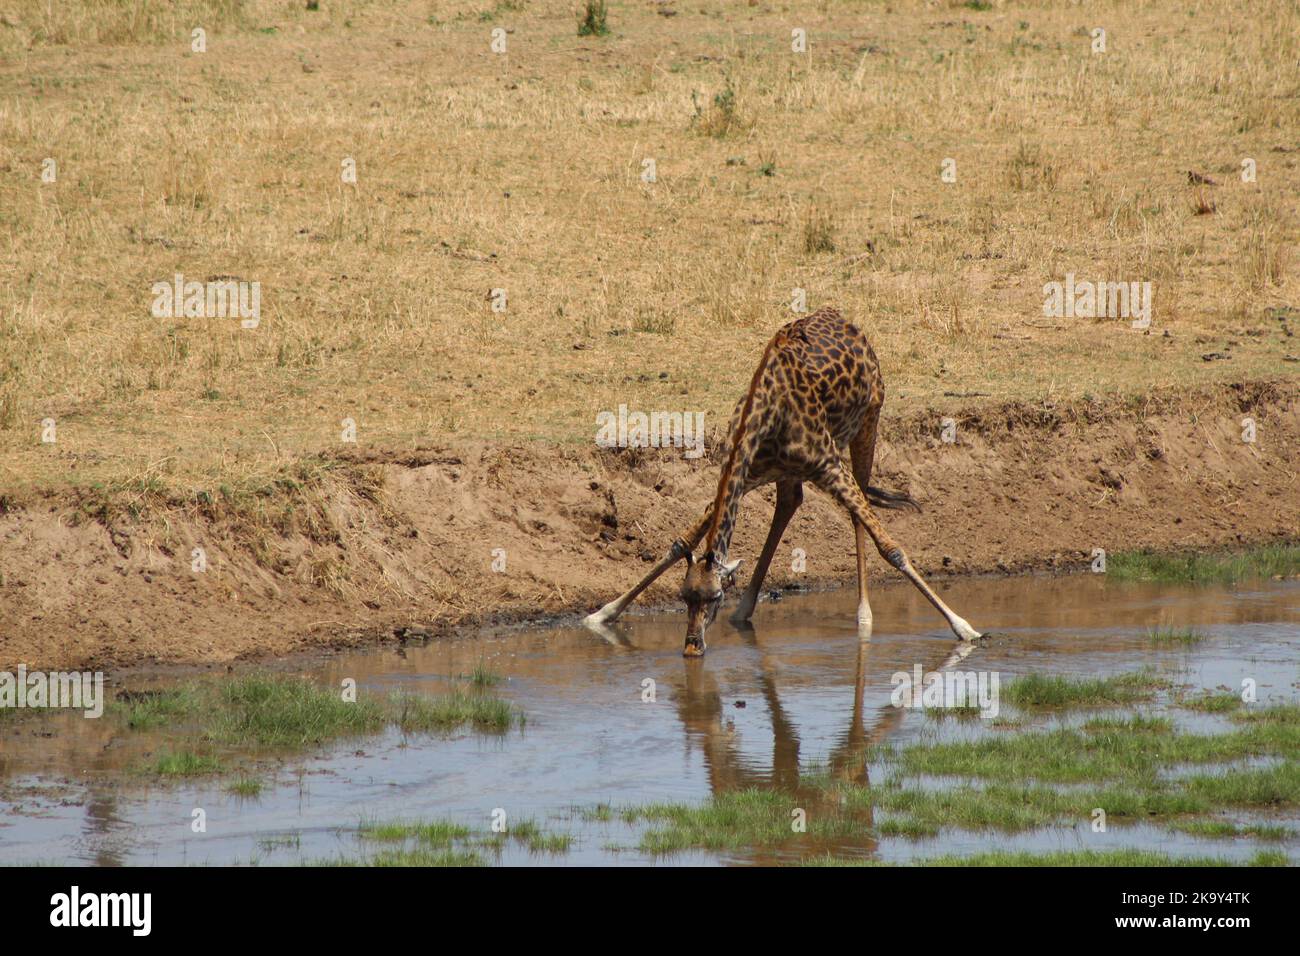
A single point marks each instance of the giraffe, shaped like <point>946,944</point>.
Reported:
<point>815,395</point>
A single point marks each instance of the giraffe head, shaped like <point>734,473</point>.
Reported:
<point>707,581</point>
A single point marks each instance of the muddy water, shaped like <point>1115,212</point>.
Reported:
<point>798,690</point>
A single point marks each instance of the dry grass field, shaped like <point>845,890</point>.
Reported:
<point>522,171</point>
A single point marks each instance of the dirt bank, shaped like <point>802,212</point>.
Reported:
<point>362,548</point>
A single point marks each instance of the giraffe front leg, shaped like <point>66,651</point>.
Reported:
<point>847,493</point>
<point>789,496</point>
<point>864,603</point>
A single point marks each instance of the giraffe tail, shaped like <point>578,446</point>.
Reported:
<point>893,500</point>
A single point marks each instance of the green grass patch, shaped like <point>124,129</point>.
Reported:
<point>1278,715</point>
<point>420,856</point>
<point>439,833</point>
<point>483,676</point>
<point>246,787</point>
<point>1121,857</point>
<point>971,712</point>
<point>1174,637</point>
<point>1122,765</point>
<point>739,819</point>
<point>1263,562</point>
<point>1228,829</point>
<point>1011,808</point>
<point>448,711</point>
<point>1125,857</point>
<point>1265,787</point>
<point>1049,691</point>
<point>1212,703</point>
<point>1132,752</point>
<point>1132,724</point>
<point>149,709</point>
<point>288,713</point>
<point>446,837</point>
<point>923,813</point>
<point>530,833</point>
<point>186,763</point>
<point>288,841</point>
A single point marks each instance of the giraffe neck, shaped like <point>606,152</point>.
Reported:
<point>727,507</point>
<point>731,483</point>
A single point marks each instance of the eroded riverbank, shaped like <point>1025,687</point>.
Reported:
<point>353,548</point>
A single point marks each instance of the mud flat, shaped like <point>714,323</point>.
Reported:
<point>392,544</point>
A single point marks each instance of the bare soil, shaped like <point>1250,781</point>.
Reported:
<point>401,545</point>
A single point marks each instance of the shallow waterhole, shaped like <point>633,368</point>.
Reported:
<point>799,693</point>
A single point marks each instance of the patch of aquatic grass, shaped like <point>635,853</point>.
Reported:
<point>1269,858</point>
<point>1276,786</point>
<point>1286,715</point>
<point>1132,750</point>
<point>1132,724</point>
<point>419,856</point>
<point>551,843</point>
<point>246,787</point>
<point>734,819</point>
<point>276,711</point>
<point>1212,703</point>
<point>923,813</point>
<point>1137,803</point>
<point>1012,808</point>
<point>971,712</point>
<point>483,676</point>
<point>185,763</point>
<point>288,841</point>
<point>1263,562</point>
<point>447,711</point>
<point>147,709</point>
<point>1174,636</point>
<point>431,833</point>
<point>829,859</point>
<point>444,833</point>
<point>1227,829</point>
<point>1045,691</point>
<point>288,712</point>
<point>525,830</point>
<point>1124,857</point>
<point>531,834</point>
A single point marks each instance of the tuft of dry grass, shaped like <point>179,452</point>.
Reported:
<point>818,230</point>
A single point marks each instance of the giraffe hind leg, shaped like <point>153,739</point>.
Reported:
<point>833,481</point>
<point>863,452</point>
